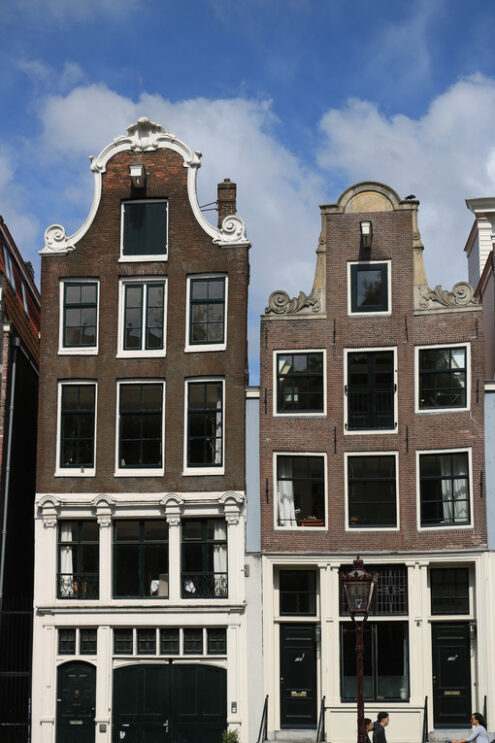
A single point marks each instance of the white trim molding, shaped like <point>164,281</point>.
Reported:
<point>146,136</point>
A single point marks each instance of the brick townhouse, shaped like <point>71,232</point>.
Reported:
<point>371,432</point>
<point>140,506</point>
<point>19,361</point>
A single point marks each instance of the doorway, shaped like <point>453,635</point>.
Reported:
<point>297,676</point>
<point>76,700</point>
<point>451,674</point>
<point>170,702</point>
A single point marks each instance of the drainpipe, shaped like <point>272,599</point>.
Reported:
<point>16,342</point>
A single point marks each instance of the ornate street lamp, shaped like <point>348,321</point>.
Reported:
<point>358,589</point>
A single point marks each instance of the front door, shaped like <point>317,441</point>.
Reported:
<point>76,699</point>
<point>169,703</point>
<point>451,674</point>
<point>297,676</point>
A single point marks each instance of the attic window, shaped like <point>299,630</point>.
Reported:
<point>144,230</point>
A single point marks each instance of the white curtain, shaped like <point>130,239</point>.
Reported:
<point>218,428</point>
<point>461,510</point>
<point>220,558</point>
<point>445,470</point>
<point>66,561</point>
<point>285,493</point>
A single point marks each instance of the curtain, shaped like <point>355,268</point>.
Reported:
<point>285,493</point>
<point>460,491</point>
<point>220,558</point>
<point>218,427</point>
<point>66,561</point>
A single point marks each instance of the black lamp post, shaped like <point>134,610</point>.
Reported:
<point>358,587</point>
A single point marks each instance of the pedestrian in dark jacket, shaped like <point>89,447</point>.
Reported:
<point>368,727</point>
<point>381,723</point>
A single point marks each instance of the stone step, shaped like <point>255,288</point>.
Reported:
<point>295,736</point>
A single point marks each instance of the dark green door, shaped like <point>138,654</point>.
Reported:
<point>169,703</point>
<point>297,676</point>
<point>76,699</point>
<point>451,674</point>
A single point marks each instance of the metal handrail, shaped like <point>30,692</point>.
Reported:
<point>424,737</point>
<point>262,735</point>
<point>320,730</point>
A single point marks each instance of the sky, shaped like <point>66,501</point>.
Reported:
<point>294,100</point>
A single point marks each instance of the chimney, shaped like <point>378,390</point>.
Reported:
<point>227,192</point>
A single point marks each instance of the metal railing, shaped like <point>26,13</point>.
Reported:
<point>370,408</point>
<point>204,585</point>
<point>262,735</point>
<point>424,736</point>
<point>320,730</point>
<point>78,585</point>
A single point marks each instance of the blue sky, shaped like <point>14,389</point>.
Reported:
<point>293,99</point>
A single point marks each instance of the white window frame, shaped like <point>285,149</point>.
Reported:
<point>200,471</point>
<point>447,527</point>
<point>74,471</point>
<point>137,471</point>
<point>295,413</point>
<point>141,353</point>
<point>368,529</point>
<point>24,298</point>
<point>146,257</point>
<point>298,529</point>
<point>77,350</point>
<point>375,431</point>
<point>436,411</point>
<point>202,347</point>
<point>382,313</point>
<point>9,268</point>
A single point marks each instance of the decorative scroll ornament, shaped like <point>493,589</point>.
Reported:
<point>56,240</point>
<point>48,509</point>
<point>281,304</point>
<point>233,231</point>
<point>462,295</point>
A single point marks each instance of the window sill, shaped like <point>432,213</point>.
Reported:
<point>372,431</point>
<point>352,529</point>
<point>199,471</point>
<point>79,472</point>
<point>140,258</point>
<point>310,529</point>
<point>444,527</point>
<point>78,351</point>
<point>142,472</point>
<point>161,353</point>
<point>295,414</point>
<point>436,411</point>
<point>205,347</point>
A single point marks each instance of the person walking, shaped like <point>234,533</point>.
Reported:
<point>368,727</point>
<point>479,733</point>
<point>381,723</point>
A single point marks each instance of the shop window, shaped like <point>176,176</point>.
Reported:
<point>66,641</point>
<point>297,592</point>
<point>449,589</point>
<point>204,558</point>
<point>78,560</point>
<point>123,641</point>
<point>300,491</point>
<point>144,229</point>
<point>444,489</point>
<point>193,641</point>
<point>371,487</point>
<point>390,596</point>
<point>140,555</point>
<point>385,662</point>
<point>169,641</point>
<point>300,382</point>
<point>217,641</point>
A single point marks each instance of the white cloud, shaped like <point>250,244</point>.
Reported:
<point>277,196</point>
<point>443,157</point>
<point>22,225</point>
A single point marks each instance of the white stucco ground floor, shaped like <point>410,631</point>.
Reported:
<point>428,643</point>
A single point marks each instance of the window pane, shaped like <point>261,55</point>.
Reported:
<point>444,485</point>
<point>122,640</point>
<point>66,641</point>
<point>300,491</point>
<point>300,382</point>
<point>205,424</point>
<point>298,592</point>
<point>449,590</point>
<point>372,491</point>
<point>145,228</point>
<point>80,314</point>
<point>169,641</point>
<point>88,640</point>
<point>146,641</point>
<point>369,287</point>
<point>217,641</point>
<point>193,641</point>
<point>207,310</point>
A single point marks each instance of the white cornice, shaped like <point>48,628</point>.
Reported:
<point>146,136</point>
